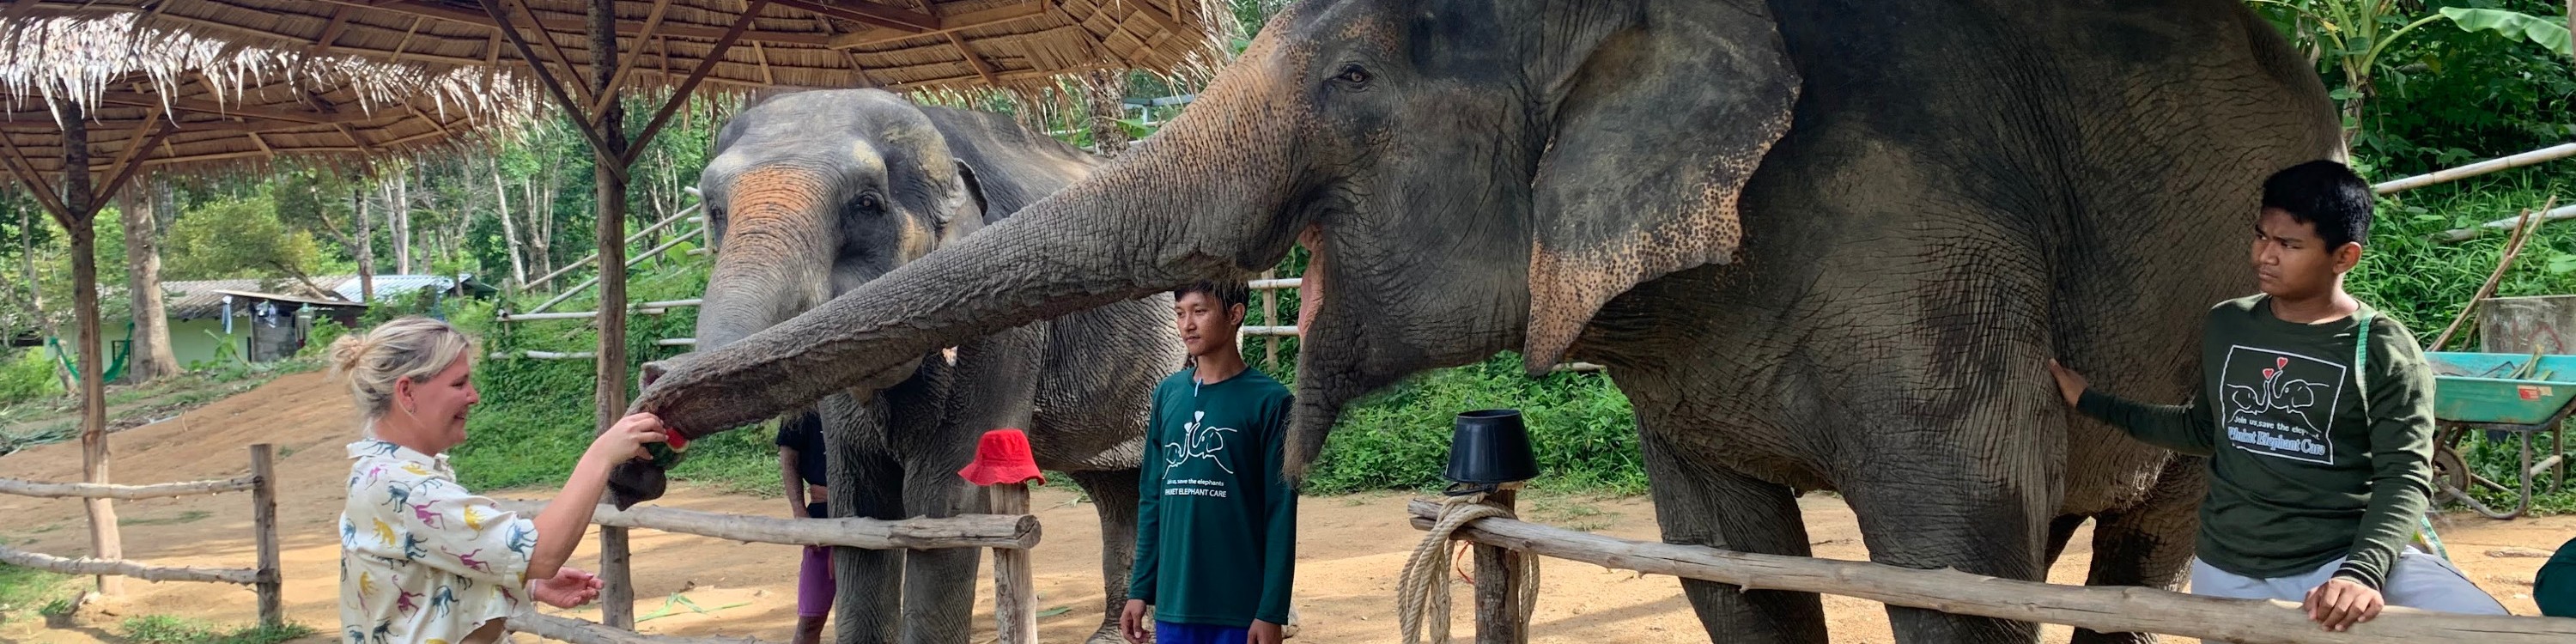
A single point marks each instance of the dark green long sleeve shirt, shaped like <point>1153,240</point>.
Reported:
<point>2300,473</point>
<point>1216,527</point>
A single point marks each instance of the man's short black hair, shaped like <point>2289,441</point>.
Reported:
<point>1227,293</point>
<point>2325,194</point>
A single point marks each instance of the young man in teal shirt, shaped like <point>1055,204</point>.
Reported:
<point>2316,414</point>
<point>1216,527</point>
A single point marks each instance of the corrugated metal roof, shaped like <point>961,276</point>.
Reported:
<point>391,285</point>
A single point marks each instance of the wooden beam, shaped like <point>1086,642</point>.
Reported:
<point>438,11</point>
<point>41,489</point>
<point>416,113</point>
<point>2106,609</point>
<point>766,77</point>
<point>126,173</point>
<point>866,12</point>
<point>361,142</point>
<point>626,62</point>
<point>201,106</point>
<point>570,70</point>
<point>1013,531</point>
<point>553,87</point>
<point>125,568</point>
<point>982,68</point>
<point>35,181</point>
<point>152,125</point>
<point>331,32</point>
<point>680,95</point>
<point>968,20</point>
<point>1169,23</point>
<point>262,143</point>
<point>400,45</point>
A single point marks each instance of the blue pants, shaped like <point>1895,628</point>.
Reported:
<point>1170,633</point>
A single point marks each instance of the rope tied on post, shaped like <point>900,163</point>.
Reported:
<point>1422,593</point>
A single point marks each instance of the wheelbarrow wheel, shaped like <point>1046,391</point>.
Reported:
<point>2450,469</point>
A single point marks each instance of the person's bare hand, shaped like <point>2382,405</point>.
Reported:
<point>2342,602</point>
<point>1263,633</point>
<point>626,440</point>
<point>1131,622</point>
<point>2070,385</point>
<point>570,587</point>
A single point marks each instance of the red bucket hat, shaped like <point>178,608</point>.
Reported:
<point>1003,456</point>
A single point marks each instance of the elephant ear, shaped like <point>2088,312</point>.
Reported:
<point>1655,135</point>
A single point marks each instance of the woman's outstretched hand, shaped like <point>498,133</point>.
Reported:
<point>625,440</point>
<point>570,587</point>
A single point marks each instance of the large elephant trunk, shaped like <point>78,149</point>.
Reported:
<point>772,257</point>
<point>1158,219</point>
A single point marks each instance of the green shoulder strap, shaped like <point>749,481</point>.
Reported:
<point>2424,537</point>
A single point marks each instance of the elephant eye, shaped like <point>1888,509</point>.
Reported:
<point>868,202</point>
<point>1353,74</point>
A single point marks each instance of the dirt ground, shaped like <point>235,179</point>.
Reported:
<point>1350,554</point>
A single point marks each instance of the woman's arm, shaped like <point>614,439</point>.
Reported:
<point>566,519</point>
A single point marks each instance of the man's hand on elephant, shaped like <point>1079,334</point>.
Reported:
<point>2070,385</point>
<point>1263,633</point>
<point>2342,602</point>
<point>1131,623</point>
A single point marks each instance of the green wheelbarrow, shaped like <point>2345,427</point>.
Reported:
<point>2506,396</point>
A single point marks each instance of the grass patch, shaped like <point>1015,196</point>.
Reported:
<point>27,589</point>
<point>165,629</point>
<point>1581,424</point>
<point>190,516</point>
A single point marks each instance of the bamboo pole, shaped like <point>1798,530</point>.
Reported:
<point>1498,618</point>
<point>685,214</point>
<point>1015,597</point>
<point>2550,153</point>
<point>575,289</point>
<point>263,516</point>
<point>1017,532</point>
<point>115,568</point>
<point>2105,609</point>
<point>2472,232</point>
<point>22,487</point>
<point>647,308</point>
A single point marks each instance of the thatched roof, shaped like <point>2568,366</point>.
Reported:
<point>1014,45</point>
<point>226,105</point>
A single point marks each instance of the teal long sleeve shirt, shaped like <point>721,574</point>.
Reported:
<point>1216,521</point>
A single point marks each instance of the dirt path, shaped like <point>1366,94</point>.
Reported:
<point>1352,550</point>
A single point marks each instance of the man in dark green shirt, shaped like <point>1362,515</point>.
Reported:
<point>1216,528</point>
<point>2316,414</point>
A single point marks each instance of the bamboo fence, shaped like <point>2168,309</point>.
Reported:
<point>264,580</point>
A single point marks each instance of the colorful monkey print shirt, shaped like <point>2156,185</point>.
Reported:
<point>422,560</point>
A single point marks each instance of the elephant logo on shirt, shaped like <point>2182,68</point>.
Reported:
<point>1198,440</point>
<point>2279,393</point>
<point>2280,404</point>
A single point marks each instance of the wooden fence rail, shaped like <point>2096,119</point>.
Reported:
<point>580,631</point>
<point>125,568</point>
<point>1009,531</point>
<point>2109,609</point>
<point>265,580</point>
<point>22,487</point>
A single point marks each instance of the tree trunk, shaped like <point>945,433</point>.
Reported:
<point>1108,90</point>
<point>150,353</point>
<point>617,597</point>
<point>509,231</point>
<point>36,294</point>
<point>366,247</point>
<point>103,540</point>
<point>398,213</point>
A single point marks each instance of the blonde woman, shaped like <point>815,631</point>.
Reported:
<point>422,559</point>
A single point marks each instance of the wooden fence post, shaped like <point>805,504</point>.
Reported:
<point>1270,317</point>
<point>1498,618</point>
<point>263,517</point>
<point>1014,583</point>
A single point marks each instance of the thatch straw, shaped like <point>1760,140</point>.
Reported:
<point>233,105</point>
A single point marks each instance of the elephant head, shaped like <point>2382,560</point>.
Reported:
<point>1472,177</point>
<point>811,194</point>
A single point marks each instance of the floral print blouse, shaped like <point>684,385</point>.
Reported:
<point>423,560</point>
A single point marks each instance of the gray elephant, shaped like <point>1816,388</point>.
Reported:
<point>1821,245</point>
<point>815,193</point>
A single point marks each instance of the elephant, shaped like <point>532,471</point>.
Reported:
<point>814,193</point>
<point>1819,244</point>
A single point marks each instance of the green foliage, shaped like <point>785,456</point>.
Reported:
<point>1582,426</point>
<point>2548,33</point>
<point>165,629</point>
<point>28,375</point>
<point>238,238</point>
<point>29,589</point>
